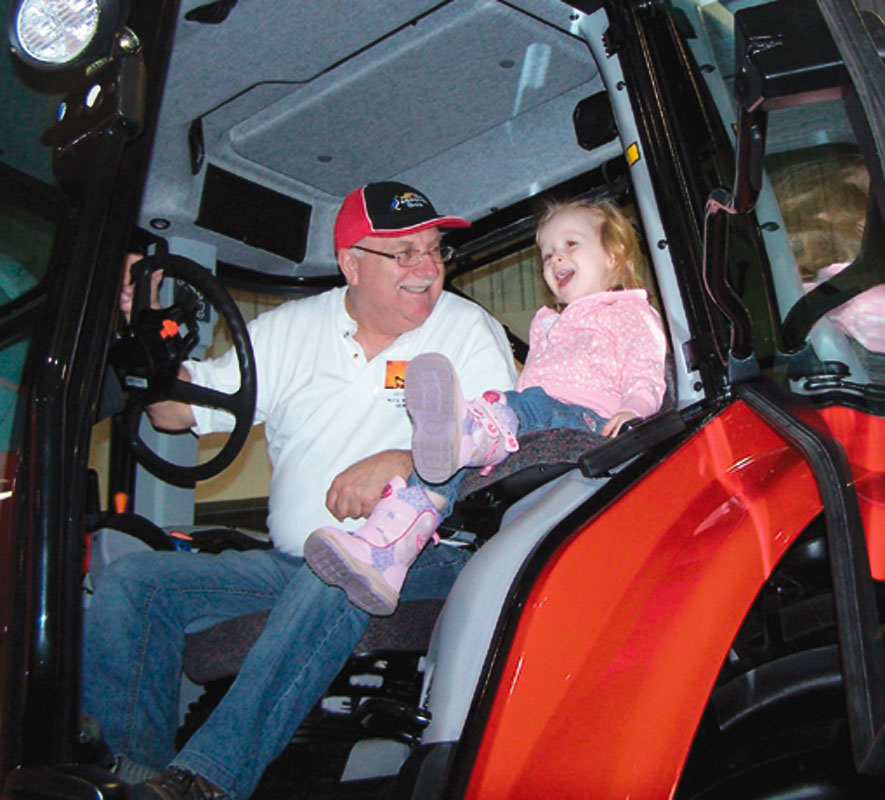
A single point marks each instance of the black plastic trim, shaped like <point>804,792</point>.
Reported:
<point>863,656</point>
<point>252,214</point>
<point>638,440</point>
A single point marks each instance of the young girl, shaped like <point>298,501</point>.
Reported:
<point>595,363</point>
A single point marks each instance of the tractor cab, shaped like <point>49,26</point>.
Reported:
<point>690,609</point>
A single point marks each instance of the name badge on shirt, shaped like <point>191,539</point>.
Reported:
<point>394,381</point>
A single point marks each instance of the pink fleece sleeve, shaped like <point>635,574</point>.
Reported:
<point>643,350</point>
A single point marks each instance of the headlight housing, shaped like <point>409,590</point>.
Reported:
<point>59,34</point>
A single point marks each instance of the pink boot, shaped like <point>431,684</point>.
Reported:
<point>371,563</point>
<point>449,432</point>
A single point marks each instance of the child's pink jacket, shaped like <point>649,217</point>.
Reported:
<point>605,351</point>
<point>862,317</point>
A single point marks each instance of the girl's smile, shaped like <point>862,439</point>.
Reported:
<point>575,262</point>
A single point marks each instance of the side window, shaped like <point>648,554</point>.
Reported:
<point>25,244</point>
<point>29,210</point>
<point>823,193</point>
<point>511,288</point>
<point>27,231</point>
<point>12,361</point>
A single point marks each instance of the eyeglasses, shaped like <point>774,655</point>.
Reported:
<point>412,257</point>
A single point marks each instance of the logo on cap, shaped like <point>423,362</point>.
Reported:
<point>407,200</point>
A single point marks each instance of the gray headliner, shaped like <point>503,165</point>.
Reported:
<point>312,98</point>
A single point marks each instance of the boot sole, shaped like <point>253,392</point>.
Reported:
<point>365,588</point>
<point>433,399</point>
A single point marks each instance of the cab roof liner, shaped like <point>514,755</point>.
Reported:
<point>310,101</point>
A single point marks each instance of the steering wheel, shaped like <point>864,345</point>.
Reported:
<point>153,345</point>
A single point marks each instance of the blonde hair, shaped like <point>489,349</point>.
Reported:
<point>616,234</point>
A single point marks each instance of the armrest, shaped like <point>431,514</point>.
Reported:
<point>637,439</point>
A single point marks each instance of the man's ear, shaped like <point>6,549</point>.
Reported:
<point>348,263</point>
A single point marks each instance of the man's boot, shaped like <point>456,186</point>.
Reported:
<point>371,563</point>
<point>175,783</point>
<point>450,432</point>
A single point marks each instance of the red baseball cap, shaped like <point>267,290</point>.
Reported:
<point>387,208</point>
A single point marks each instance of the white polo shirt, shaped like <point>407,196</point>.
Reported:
<point>325,407</point>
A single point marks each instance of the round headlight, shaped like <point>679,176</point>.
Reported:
<point>54,34</point>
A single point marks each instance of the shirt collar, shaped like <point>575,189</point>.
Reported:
<point>346,323</point>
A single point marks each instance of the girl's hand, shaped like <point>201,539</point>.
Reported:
<point>613,426</point>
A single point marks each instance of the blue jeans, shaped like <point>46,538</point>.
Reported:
<point>134,636</point>
<point>536,411</point>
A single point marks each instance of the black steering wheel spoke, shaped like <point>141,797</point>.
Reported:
<point>195,395</point>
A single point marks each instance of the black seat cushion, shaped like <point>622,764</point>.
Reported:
<point>557,446</point>
<point>218,651</point>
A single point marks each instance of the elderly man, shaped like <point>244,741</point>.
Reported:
<point>329,371</point>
